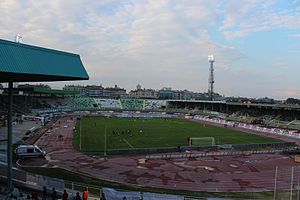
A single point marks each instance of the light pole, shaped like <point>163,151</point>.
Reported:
<point>292,180</point>
<point>105,141</point>
<point>275,182</point>
<point>9,137</point>
<point>80,135</point>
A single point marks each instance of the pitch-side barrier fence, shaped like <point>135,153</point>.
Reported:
<point>140,151</point>
<point>225,153</point>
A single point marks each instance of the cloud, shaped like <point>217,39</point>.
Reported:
<point>284,94</point>
<point>248,16</point>
<point>155,42</point>
<point>152,42</point>
<point>295,35</point>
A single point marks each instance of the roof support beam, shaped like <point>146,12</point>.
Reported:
<point>9,137</point>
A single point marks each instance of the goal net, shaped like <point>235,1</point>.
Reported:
<point>202,141</point>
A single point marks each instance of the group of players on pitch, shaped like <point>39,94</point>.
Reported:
<point>127,132</point>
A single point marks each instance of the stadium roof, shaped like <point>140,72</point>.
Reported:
<point>273,106</point>
<point>26,63</point>
<point>195,101</point>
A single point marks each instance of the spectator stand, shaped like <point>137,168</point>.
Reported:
<point>26,63</point>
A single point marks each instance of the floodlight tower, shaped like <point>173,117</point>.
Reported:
<point>211,80</point>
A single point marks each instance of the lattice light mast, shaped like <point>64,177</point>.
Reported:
<point>211,80</point>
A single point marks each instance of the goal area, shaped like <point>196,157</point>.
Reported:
<point>202,141</point>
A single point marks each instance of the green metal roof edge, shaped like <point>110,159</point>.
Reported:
<point>30,70</point>
<point>37,48</point>
<point>53,91</point>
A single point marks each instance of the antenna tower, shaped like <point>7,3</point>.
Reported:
<point>19,38</point>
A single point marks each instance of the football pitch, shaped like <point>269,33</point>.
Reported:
<point>126,133</point>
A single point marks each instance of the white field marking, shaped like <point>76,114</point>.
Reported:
<point>128,143</point>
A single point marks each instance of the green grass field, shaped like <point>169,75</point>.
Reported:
<point>155,133</point>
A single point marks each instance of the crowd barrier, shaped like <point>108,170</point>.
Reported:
<point>113,194</point>
<point>144,115</point>
<point>204,154</point>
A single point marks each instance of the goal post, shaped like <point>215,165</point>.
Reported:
<point>202,141</point>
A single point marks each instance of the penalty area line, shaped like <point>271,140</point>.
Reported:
<point>127,143</point>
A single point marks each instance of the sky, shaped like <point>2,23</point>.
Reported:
<point>165,43</point>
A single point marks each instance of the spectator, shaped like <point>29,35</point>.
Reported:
<point>34,196</point>
<point>85,194</point>
<point>54,194</point>
<point>65,195</point>
<point>77,197</point>
<point>102,196</point>
<point>44,193</point>
<point>15,193</point>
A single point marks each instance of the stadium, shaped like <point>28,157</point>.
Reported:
<point>138,148</point>
<point>161,149</point>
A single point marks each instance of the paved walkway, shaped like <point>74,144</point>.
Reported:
<point>19,131</point>
<point>212,174</point>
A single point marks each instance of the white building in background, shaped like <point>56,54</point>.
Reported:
<point>143,93</point>
<point>97,91</point>
<point>138,87</point>
<point>114,92</point>
<point>183,95</point>
<point>94,90</point>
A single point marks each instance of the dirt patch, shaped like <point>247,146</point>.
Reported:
<point>242,183</point>
<point>253,169</point>
<point>150,165</point>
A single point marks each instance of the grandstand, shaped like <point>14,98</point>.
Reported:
<point>274,115</point>
<point>295,124</point>
<point>240,117</point>
<point>46,101</point>
<point>26,63</point>
<point>153,104</point>
<point>108,103</point>
<point>50,105</point>
<point>132,104</point>
<point>85,103</point>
